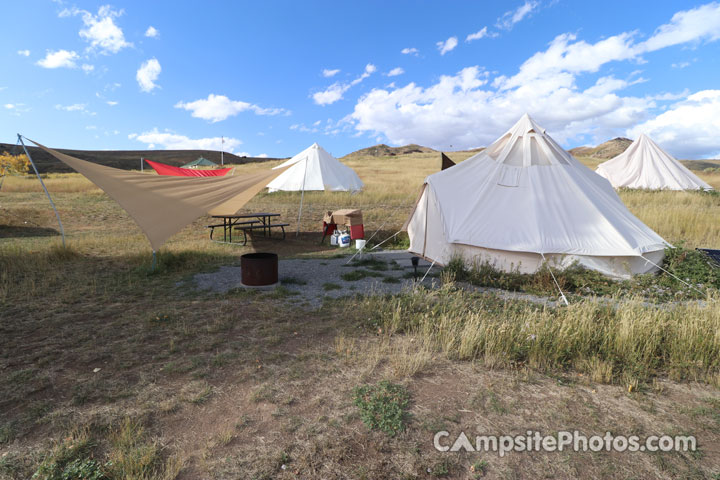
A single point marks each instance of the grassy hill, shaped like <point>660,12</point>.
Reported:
<point>383,150</point>
<point>128,159</point>
<point>605,151</point>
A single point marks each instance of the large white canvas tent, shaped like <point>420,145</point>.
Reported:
<point>524,200</point>
<point>645,165</point>
<point>315,169</point>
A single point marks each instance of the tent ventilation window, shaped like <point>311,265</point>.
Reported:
<point>495,149</point>
<point>537,154</point>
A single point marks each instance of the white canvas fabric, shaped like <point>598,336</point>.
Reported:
<point>315,169</point>
<point>645,165</point>
<point>523,198</point>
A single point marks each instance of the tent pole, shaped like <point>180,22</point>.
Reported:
<point>153,265</point>
<point>141,164</point>
<point>57,215</point>
<point>302,196</point>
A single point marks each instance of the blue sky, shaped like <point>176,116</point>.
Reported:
<point>273,77</point>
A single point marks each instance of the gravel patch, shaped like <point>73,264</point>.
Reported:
<point>310,280</point>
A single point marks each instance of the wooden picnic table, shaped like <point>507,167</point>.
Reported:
<point>246,222</point>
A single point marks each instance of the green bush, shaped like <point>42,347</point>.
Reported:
<point>383,406</point>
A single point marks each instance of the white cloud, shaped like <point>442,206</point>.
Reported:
<point>410,51</point>
<point>216,108</point>
<point>330,73</point>
<point>87,68</point>
<point>447,46</point>
<point>168,140</point>
<point>262,155</point>
<point>147,74</point>
<point>151,32</point>
<point>335,92</point>
<point>689,128</point>
<point>701,23</point>
<point>101,30</point>
<point>395,72</point>
<point>680,65</point>
<point>75,107</point>
<point>331,94</point>
<point>111,103</point>
<point>59,59</point>
<point>468,110</point>
<point>464,111</point>
<point>482,33</point>
<point>509,19</point>
<point>24,53</point>
<point>566,55</point>
<point>9,106</point>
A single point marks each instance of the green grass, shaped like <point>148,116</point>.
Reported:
<point>359,274</point>
<point>383,406</point>
<point>691,266</point>
<point>620,343</point>
<point>327,286</point>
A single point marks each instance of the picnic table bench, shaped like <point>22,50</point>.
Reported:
<point>246,223</point>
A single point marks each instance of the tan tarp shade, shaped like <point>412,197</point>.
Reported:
<point>446,162</point>
<point>161,205</point>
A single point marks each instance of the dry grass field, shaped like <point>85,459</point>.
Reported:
<point>110,370</point>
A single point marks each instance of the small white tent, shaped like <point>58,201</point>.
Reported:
<point>315,169</point>
<point>525,199</point>
<point>645,165</point>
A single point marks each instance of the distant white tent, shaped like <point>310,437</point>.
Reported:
<point>315,169</point>
<point>524,200</point>
<point>645,165</point>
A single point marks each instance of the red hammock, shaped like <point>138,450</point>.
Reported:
<point>163,169</point>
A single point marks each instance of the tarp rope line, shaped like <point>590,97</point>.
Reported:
<point>57,215</point>
<point>428,271</point>
<point>376,231</point>
<point>302,197</point>
<point>676,277</point>
<point>562,295</point>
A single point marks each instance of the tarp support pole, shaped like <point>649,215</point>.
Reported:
<point>153,265</point>
<point>57,215</point>
<point>302,196</point>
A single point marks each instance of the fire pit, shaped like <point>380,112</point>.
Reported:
<point>259,269</point>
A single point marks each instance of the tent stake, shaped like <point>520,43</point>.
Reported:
<point>57,215</point>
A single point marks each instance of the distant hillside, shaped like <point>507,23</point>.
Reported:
<point>605,151</point>
<point>128,159</point>
<point>383,150</point>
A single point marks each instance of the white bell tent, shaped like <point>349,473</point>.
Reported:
<point>525,200</point>
<point>645,165</point>
<point>315,169</point>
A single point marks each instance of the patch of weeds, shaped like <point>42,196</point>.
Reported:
<point>371,263</point>
<point>383,406</point>
<point>7,433</point>
<point>70,459</point>
<point>331,286</point>
<point>292,281</point>
<point>478,468</point>
<point>161,318</point>
<point>282,292</point>
<point>391,280</point>
<point>441,469</point>
<point>359,274</point>
<point>202,396</point>
<point>223,358</point>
